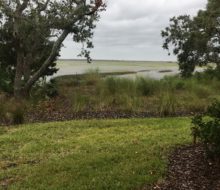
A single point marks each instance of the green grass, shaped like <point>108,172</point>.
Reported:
<point>94,154</point>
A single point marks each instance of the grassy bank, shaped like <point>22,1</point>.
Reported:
<point>95,95</point>
<point>94,154</point>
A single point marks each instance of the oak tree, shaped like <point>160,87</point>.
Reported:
<point>36,30</point>
<point>195,40</point>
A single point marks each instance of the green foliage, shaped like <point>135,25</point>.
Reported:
<point>7,61</point>
<point>146,86</point>
<point>32,34</point>
<point>195,41</point>
<point>51,89</point>
<point>207,129</point>
<point>8,56</point>
<point>45,90</point>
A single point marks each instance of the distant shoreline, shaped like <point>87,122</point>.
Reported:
<point>108,60</point>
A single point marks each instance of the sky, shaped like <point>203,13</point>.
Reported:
<point>130,29</point>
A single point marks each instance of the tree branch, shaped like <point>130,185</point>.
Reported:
<point>18,2</point>
<point>43,7</point>
<point>98,4</point>
<point>51,57</point>
<point>56,47</point>
<point>23,6</point>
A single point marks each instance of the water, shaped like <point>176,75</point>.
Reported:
<point>155,70</point>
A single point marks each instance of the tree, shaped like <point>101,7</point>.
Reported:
<point>195,40</point>
<point>38,29</point>
<point>8,60</point>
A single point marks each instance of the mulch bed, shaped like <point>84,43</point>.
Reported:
<point>65,115</point>
<point>48,112</point>
<point>189,169</point>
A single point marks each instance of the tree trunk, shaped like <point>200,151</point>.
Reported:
<point>47,62</point>
<point>18,76</point>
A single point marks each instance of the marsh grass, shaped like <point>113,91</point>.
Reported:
<point>12,111</point>
<point>167,96</point>
<point>167,104</point>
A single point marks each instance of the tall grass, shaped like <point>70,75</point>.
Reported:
<point>12,111</point>
<point>167,105</point>
<point>167,96</point>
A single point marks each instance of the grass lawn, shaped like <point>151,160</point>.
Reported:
<point>94,154</point>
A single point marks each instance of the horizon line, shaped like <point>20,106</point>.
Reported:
<point>75,59</point>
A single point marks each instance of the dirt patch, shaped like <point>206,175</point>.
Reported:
<point>189,169</point>
<point>5,182</point>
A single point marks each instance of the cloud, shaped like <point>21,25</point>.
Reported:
<point>130,29</point>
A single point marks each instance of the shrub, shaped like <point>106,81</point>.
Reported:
<point>207,129</point>
<point>44,90</point>
<point>51,89</point>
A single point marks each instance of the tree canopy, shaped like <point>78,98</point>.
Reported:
<point>195,40</point>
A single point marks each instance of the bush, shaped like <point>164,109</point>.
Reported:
<point>45,89</point>
<point>207,129</point>
<point>51,89</point>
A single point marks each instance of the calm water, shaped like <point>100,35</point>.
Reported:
<point>156,70</point>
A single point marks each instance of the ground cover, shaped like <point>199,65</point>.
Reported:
<point>92,154</point>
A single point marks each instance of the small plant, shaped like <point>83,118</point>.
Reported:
<point>45,89</point>
<point>51,89</point>
<point>207,129</point>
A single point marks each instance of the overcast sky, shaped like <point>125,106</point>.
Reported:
<point>130,29</point>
